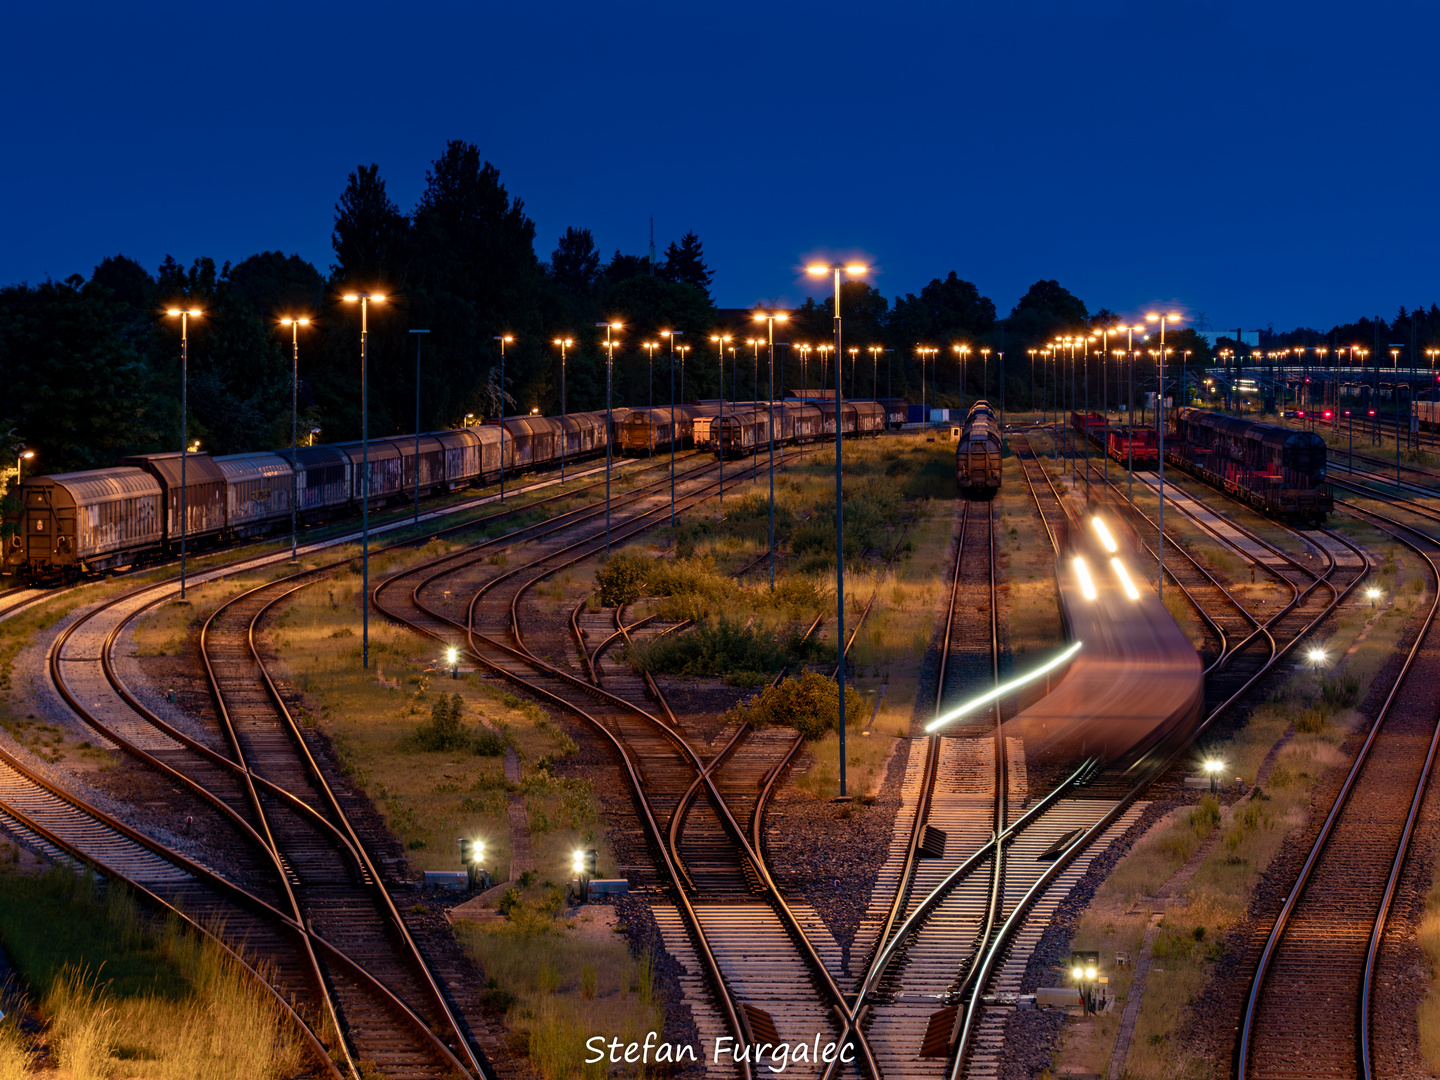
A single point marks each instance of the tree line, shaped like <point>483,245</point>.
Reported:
<point>91,366</point>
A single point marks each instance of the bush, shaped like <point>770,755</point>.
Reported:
<point>741,653</point>
<point>622,579</point>
<point>809,704</point>
<point>447,731</point>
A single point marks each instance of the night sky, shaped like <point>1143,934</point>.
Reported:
<point>1258,163</point>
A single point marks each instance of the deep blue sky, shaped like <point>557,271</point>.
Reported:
<point>1261,163</point>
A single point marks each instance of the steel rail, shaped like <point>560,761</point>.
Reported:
<point>1277,931</point>
<point>1156,768</point>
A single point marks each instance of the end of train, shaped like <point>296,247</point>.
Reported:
<point>978,454</point>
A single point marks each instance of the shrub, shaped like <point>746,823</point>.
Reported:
<point>447,731</point>
<point>809,704</point>
<point>622,579</point>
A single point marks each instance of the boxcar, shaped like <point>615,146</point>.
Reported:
<point>431,463</point>
<point>977,455</point>
<point>742,431</point>
<point>460,457</point>
<point>645,431</point>
<point>206,499</point>
<point>322,481</point>
<point>79,522</point>
<point>383,460</point>
<point>897,411</point>
<point>258,488</point>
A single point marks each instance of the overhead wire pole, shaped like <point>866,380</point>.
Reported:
<point>418,340</point>
<point>853,270</point>
<point>609,428</point>
<point>365,300</point>
<point>294,324</point>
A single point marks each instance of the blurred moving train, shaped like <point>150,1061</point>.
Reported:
<point>977,457</point>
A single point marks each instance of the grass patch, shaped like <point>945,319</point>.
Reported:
<point>810,704</point>
<point>556,987</point>
<point>125,995</point>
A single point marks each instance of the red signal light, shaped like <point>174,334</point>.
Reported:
<point>1300,412</point>
<point>1372,412</point>
<point>1327,414</point>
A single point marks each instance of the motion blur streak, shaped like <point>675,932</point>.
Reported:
<point>1087,586</point>
<point>1124,577</point>
<point>1003,689</point>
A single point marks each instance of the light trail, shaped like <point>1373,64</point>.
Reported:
<point>1003,689</point>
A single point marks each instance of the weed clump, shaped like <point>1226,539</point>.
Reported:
<point>809,704</point>
<point>742,653</point>
<point>447,730</point>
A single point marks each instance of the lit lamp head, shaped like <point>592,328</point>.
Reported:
<point>578,862</point>
<point>1317,657</point>
<point>1213,765</point>
<point>26,455</point>
<point>452,656</point>
<point>289,321</point>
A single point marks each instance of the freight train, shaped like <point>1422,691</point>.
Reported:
<point>977,457</point>
<point>744,427</point>
<point>1277,470</point>
<point>102,519</point>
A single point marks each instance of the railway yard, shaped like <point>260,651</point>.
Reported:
<point>577,800</point>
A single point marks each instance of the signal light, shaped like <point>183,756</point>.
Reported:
<point>1372,412</point>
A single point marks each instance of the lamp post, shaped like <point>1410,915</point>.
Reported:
<point>672,335</point>
<point>854,366</point>
<point>609,379</point>
<point>1395,357</point>
<point>770,319</point>
<point>721,340</point>
<point>365,300</point>
<point>20,459</point>
<point>804,375</point>
<point>564,344</point>
<point>295,323</point>
<point>503,339</point>
<point>1160,446</point>
<point>854,270</point>
<point>961,352</point>
<point>650,347</point>
<point>185,315</point>
<point>824,351</point>
<point>875,351</point>
<point>418,339</point>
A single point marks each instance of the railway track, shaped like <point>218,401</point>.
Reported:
<point>276,838</point>
<point>973,1032</point>
<point>1313,995</point>
<point>684,824</point>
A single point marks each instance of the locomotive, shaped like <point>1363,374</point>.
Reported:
<point>1277,470</point>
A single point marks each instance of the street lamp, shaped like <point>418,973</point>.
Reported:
<point>650,347</point>
<point>854,270</point>
<point>185,315</point>
<point>419,337</point>
<point>1160,445</point>
<point>770,319</point>
<point>672,335</point>
<point>961,352</point>
<point>564,344</point>
<point>452,657</point>
<point>609,430</point>
<point>365,300</point>
<point>503,339</point>
<point>20,459</point>
<point>875,351</point>
<point>295,323</point>
<point>721,340</point>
